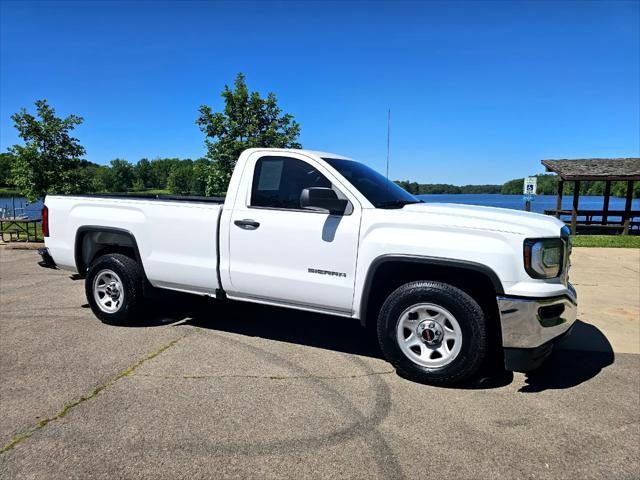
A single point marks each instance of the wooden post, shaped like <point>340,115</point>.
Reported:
<point>574,210</point>
<point>559,198</point>
<point>605,208</point>
<point>627,208</point>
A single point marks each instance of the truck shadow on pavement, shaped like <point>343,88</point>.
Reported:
<point>571,364</point>
<point>579,358</point>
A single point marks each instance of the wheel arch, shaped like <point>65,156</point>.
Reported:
<point>94,240</point>
<point>405,268</point>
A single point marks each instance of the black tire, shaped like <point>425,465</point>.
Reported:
<point>132,281</point>
<point>467,313</point>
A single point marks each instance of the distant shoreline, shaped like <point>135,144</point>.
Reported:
<point>9,193</point>
<point>547,185</point>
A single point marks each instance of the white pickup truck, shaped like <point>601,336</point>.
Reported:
<point>444,285</point>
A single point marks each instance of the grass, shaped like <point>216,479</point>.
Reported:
<point>8,192</point>
<point>22,236</point>
<point>607,241</point>
<point>150,191</point>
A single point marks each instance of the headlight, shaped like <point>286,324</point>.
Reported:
<point>543,257</point>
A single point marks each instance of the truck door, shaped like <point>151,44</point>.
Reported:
<point>280,252</point>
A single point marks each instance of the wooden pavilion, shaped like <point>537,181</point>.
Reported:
<point>607,170</point>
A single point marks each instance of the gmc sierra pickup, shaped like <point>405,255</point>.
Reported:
<point>443,285</point>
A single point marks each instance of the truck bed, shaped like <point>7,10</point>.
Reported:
<point>175,237</point>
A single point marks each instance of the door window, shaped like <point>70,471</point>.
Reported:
<point>279,181</point>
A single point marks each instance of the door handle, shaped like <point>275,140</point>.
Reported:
<point>247,224</point>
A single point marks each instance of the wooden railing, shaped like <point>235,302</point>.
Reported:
<point>593,220</point>
<point>19,229</point>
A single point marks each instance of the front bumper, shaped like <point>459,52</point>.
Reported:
<point>530,327</point>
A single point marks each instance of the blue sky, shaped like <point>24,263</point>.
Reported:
<point>479,91</point>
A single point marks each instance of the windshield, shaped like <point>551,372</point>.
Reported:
<point>379,190</point>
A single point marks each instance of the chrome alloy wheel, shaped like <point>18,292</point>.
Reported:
<point>429,335</point>
<point>108,291</point>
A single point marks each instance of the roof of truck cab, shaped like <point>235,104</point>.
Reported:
<point>315,153</point>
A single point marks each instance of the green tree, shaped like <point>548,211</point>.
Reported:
<point>619,189</point>
<point>143,173</point>
<point>201,169</point>
<point>596,188</point>
<point>247,121</point>
<point>6,164</point>
<point>137,186</point>
<point>547,185</point>
<point>83,176</point>
<point>120,176</point>
<point>160,170</point>
<point>47,161</point>
<point>481,188</point>
<point>513,187</point>
<point>440,188</point>
<point>100,179</point>
<point>181,178</point>
<point>403,183</point>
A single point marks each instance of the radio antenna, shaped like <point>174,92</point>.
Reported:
<point>388,138</point>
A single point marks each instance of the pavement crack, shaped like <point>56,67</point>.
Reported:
<point>87,396</point>
<point>267,377</point>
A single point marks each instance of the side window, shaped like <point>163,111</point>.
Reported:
<point>279,181</point>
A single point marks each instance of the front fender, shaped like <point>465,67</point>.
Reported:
<point>385,235</point>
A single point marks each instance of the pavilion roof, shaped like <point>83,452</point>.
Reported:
<point>595,168</point>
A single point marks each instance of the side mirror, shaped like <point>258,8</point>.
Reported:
<point>322,199</point>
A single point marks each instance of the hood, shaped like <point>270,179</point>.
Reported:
<point>489,218</point>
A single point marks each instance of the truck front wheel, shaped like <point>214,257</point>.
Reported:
<point>114,288</point>
<point>433,333</point>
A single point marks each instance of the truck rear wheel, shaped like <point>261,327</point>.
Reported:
<point>433,333</point>
<point>114,288</point>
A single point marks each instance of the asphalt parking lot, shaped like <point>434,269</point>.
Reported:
<point>205,390</point>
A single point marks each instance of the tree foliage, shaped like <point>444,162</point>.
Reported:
<point>49,160</point>
<point>548,185</point>
<point>180,180</point>
<point>6,164</point>
<point>160,171</point>
<point>416,188</point>
<point>201,169</point>
<point>120,176</point>
<point>247,121</point>
<point>144,174</point>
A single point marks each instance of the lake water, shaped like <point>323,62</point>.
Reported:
<point>539,204</point>
<point>21,206</point>
<point>516,202</point>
